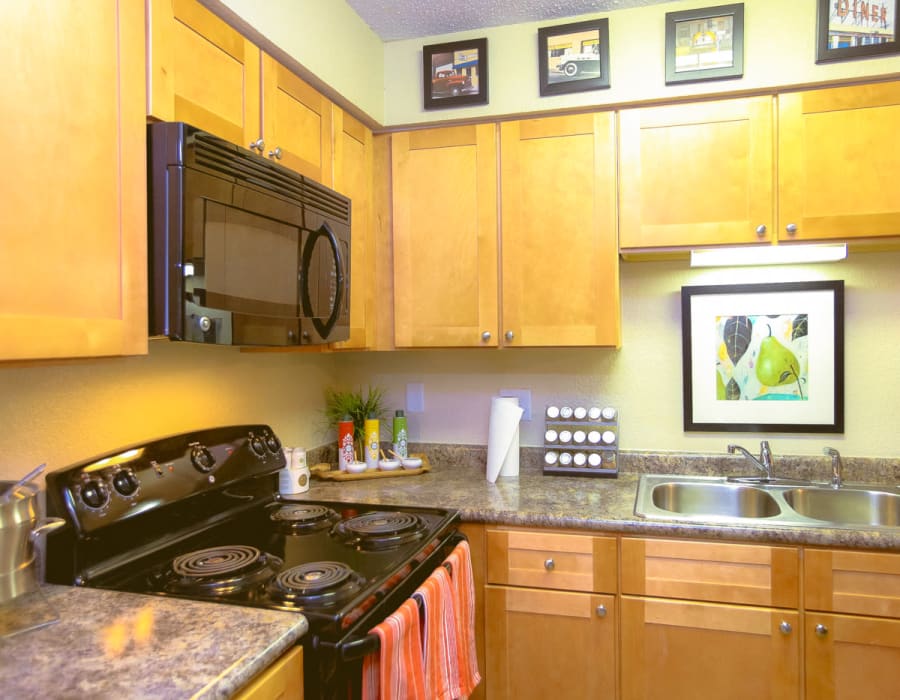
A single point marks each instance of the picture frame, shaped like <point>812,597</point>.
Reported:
<point>573,57</point>
<point>705,44</point>
<point>455,74</point>
<point>764,357</point>
<point>846,30</point>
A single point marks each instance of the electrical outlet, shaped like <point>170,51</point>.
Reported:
<point>415,398</point>
<point>524,396</point>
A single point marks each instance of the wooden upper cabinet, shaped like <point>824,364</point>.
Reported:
<point>353,173</point>
<point>838,163</point>
<point>696,174</point>
<point>560,266</point>
<point>73,279</point>
<point>202,72</point>
<point>297,123</point>
<point>445,237</point>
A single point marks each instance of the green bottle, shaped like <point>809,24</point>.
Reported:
<point>399,435</point>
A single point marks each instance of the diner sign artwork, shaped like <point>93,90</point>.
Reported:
<point>856,29</point>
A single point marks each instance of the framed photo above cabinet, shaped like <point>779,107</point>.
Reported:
<point>455,74</point>
<point>847,29</point>
<point>573,57</point>
<point>705,44</point>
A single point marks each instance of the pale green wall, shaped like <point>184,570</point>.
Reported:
<point>779,42</point>
<point>644,378</point>
<point>327,38</point>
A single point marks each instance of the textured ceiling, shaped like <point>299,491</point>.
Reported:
<point>408,19</point>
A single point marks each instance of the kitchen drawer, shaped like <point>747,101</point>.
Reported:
<point>716,572</point>
<point>862,583</point>
<point>552,560</point>
<point>282,680</point>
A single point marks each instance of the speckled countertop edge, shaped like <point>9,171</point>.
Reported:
<point>108,644</point>
<point>457,481</point>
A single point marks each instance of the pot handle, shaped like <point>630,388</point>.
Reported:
<point>46,525</point>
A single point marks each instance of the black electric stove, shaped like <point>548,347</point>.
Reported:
<point>198,516</point>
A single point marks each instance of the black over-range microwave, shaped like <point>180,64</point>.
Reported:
<point>242,250</point>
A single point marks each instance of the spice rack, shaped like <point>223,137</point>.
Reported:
<point>581,441</point>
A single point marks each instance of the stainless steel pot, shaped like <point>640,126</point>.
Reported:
<point>19,526</point>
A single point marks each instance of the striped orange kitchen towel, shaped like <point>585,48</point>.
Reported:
<point>463,587</point>
<point>439,636</point>
<point>395,671</point>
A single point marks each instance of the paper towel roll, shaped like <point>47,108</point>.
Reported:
<point>503,438</point>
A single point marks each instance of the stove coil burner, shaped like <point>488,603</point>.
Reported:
<point>298,518</point>
<point>233,570</point>
<point>381,529</point>
<point>317,584</point>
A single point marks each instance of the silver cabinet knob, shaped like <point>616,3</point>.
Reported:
<point>791,229</point>
<point>821,630</point>
<point>486,336</point>
<point>276,154</point>
<point>785,627</point>
<point>257,145</point>
<point>601,611</point>
<point>549,565</point>
<point>509,335</point>
<point>761,230</point>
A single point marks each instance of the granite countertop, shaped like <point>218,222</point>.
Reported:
<point>457,481</point>
<point>123,645</point>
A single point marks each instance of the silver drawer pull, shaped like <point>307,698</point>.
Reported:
<point>785,627</point>
<point>548,564</point>
<point>821,630</point>
<point>601,611</point>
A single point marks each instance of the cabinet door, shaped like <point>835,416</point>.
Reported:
<point>73,279</point>
<point>696,174</point>
<point>445,237</point>
<point>837,162</point>
<point>550,644</point>
<point>297,122</point>
<point>681,650</point>
<point>353,172</point>
<point>560,262</point>
<point>850,657</point>
<point>202,72</point>
<point>282,680</point>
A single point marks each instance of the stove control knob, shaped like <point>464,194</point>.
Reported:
<point>273,443</point>
<point>202,459</point>
<point>125,482</point>
<point>94,494</point>
<point>258,445</point>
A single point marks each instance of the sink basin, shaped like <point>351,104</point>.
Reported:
<point>714,499</point>
<point>852,507</point>
<point>766,502</point>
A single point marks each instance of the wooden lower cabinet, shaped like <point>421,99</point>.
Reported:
<point>683,650</point>
<point>283,680</point>
<point>850,656</point>
<point>549,644</point>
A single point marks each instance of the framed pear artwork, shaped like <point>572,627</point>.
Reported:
<point>764,357</point>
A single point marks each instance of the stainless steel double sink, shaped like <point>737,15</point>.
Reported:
<point>765,501</point>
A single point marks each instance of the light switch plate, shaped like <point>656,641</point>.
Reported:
<point>415,398</point>
<point>524,396</point>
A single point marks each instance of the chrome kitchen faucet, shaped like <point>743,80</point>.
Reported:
<point>765,457</point>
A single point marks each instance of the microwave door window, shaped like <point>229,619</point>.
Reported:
<point>250,263</point>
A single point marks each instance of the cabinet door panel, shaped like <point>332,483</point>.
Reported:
<point>727,573</point>
<point>682,651</point>
<point>445,237</point>
<point>73,188</point>
<point>558,214</point>
<point>298,120</point>
<point>549,644</point>
<point>852,657</point>
<point>202,72</point>
<point>836,170</point>
<point>864,583</point>
<point>696,174</point>
<point>353,172</point>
